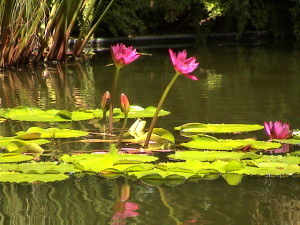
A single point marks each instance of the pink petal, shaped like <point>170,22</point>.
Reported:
<point>267,126</point>
<point>173,57</point>
<point>190,76</point>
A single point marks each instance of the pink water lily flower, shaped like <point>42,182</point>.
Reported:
<point>183,65</point>
<point>123,55</point>
<point>277,130</point>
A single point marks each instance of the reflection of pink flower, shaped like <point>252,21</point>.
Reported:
<point>123,55</point>
<point>285,148</point>
<point>277,130</point>
<point>124,210</point>
<point>183,65</point>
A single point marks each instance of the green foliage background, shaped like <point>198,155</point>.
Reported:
<point>142,17</point>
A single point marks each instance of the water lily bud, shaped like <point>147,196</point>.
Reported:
<point>124,104</point>
<point>105,102</point>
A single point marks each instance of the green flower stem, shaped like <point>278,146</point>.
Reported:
<point>159,106</point>
<point>122,130</point>
<point>113,93</point>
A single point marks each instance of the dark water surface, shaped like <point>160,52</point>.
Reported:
<point>236,85</point>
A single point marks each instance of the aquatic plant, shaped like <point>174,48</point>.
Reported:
<point>277,130</point>
<point>122,56</point>
<point>125,107</point>
<point>183,66</point>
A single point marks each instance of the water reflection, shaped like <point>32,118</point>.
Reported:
<point>237,85</point>
<point>123,208</point>
<point>93,200</point>
<point>58,86</point>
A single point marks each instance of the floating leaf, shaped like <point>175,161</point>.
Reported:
<point>11,158</point>
<point>108,161</point>
<point>290,160</point>
<point>213,155</point>
<point>218,128</point>
<point>134,112</point>
<point>15,177</point>
<point>33,114</point>
<point>78,157</point>
<point>293,141</point>
<point>8,166</point>
<point>51,133</point>
<point>82,115</point>
<point>46,168</point>
<point>270,169</point>
<point>195,167</point>
<point>160,174</point>
<point>234,165</point>
<point>200,142</point>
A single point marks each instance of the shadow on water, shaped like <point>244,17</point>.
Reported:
<point>236,85</point>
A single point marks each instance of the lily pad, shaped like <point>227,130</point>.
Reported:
<point>11,158</point>
<point>15,177</point>
<point>134,112</point>
<point>270,169</point>
<point>160,174</point>
<point>51,133</point>
<point>46,168</point>
<point>293,141</point>
<point>213,155</point>
<point>217,128</point>
<point>200,142</point>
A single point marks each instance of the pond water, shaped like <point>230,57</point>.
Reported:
<point>236,85</point>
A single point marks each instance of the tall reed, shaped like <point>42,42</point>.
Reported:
<point>35,30</point>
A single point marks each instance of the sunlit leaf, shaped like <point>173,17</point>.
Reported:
<point>46,168</point>
<point>98,163</point>
<point>78,157</point>
<point>218,128</point>
<point>134,112</point>
<point>15,177</point>
<point>11,158</point>
<point>14,144</point>
<point>212,155</point>
<point>200,142</point>
<point>293,141</point>
<point>290,160</point>
<point>160,174</point>
<point>270,169</point>
<point>33,114</point>
<point>51,133</point>
<point>234,165</point>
